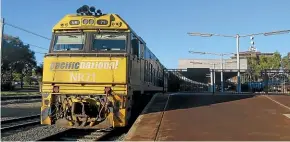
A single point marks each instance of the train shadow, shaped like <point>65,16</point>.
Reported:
<point>187,100</point>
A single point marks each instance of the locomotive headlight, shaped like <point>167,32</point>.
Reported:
<point>46,102</point>
<point>44,95</point>
<point>91,21</point>
<point>74,22</point>
<point>85,21</point>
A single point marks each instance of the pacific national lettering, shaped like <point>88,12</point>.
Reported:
<point>111,64</point>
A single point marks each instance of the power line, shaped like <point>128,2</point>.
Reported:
<point>36,46</point>
<point>33,45</point>
<point>38,52</point>
<point>16,27</point>
<point>40,62</point>
<point>30,33</point>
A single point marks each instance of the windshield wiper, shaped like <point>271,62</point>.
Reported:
<point>112,36</point>
<point>72,36</point>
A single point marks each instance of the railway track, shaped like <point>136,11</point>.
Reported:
<point>21,122</point>
<point>6,98</point>
<point>81,135</point>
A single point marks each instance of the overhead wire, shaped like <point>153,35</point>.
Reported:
<point>22,29</point>
<point>36,46</point>
<point>28,31</point>
<point>38,52</point>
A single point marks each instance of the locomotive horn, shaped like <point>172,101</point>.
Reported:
<point>79,10</point>
<point>99,12</point>
<point>85,9</point>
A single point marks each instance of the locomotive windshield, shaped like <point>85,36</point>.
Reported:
<point>109,42</point>
<point>69,42</point>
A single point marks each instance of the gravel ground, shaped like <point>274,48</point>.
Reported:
<point>117,138</point>
<point>22,105</point>
<point>6,118</point>
<point>19,108</point>
<point>42,131</point>
<point>34,134</point>
<point>121,138</point>
<point>19,101</point>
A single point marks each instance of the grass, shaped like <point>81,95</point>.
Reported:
<point>18,93</point>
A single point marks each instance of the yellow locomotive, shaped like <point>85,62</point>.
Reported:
<point>95,67</point>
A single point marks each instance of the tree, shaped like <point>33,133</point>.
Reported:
<point>275,61</point>
<point>27,79</point>
<point>259,63</point>
<point>253,62</point>
<point>17,58</point>
<point>286,62</point>
<point>38,70</point>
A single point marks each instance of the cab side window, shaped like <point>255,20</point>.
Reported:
<point>135,45</point>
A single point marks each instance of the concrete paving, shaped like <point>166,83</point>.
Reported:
<point>215,117</point>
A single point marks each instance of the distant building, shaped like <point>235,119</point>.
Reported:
<point>207,63</point>
<point>244,55</point>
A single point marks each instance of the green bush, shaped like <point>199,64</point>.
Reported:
<point>7,86</point>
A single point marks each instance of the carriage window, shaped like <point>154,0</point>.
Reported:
<point>69,42</point>
<point>109,42</point>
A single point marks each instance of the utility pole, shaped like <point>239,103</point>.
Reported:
<point>1,36</point>
<point>211,80</point>
<point>1,32</point>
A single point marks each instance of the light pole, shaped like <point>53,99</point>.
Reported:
<point>218,54</point>
<point>238,64</point>
<point>237,36</point>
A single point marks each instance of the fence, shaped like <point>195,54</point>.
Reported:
<point>267,81</point>
<point>276,81</point>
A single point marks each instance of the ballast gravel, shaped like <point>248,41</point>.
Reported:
<point>120,138</point>
<point>37,133</point>
<point>34,134</point>
<point>35,103</point>
<point>17,101</point>
<point>6,118</point>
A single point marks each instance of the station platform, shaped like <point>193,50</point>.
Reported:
<point>190,117</point>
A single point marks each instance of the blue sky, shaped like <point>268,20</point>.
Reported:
<point>164,24</point>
